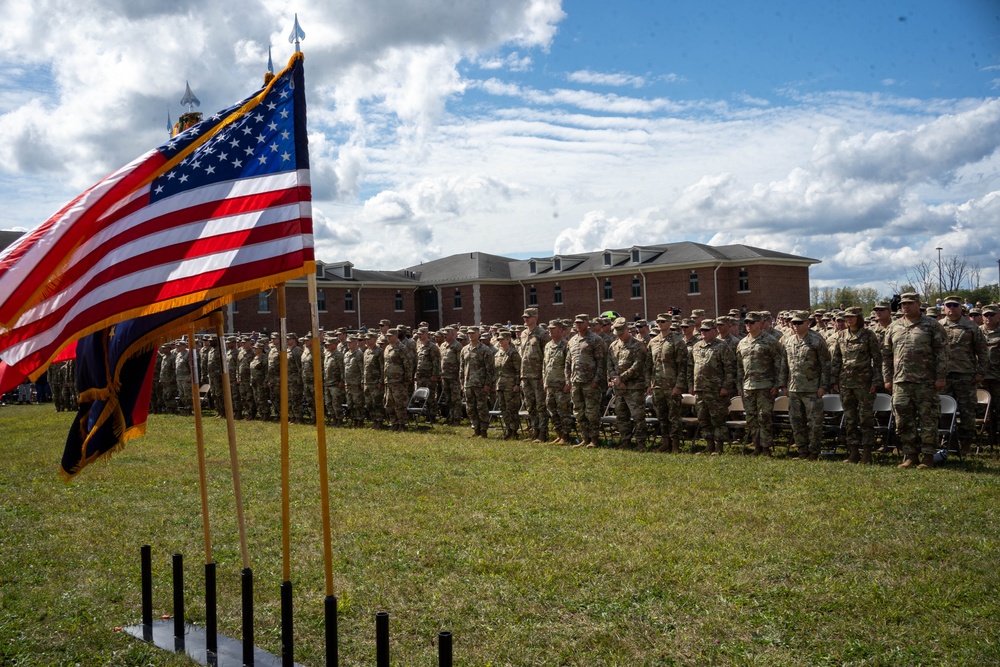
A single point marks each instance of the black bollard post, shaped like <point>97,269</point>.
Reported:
<point>287,653</point>
<point>147,592</point>
<point>330,605</point>
<point>178,602</point>
<point>444,649</point>
<point>382,639</point>
<point>211,615</point>
<point>247,617</point>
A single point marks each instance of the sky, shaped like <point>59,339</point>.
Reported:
<point>862,134</point>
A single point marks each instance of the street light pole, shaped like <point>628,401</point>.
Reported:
<point>940,279</point>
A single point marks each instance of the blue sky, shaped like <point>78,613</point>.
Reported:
<point>863,134</point>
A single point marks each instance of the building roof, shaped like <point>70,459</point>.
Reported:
<point>8,236</point>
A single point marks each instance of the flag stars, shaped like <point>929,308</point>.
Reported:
<point>259,118</point>
<point>261,138</point>
<point>248,151</point>
<point>284,113</point>
<point>237,163</point>
<point>209,169</point>
<point>286,156</point>
<point>274,147</point>
<point>222,156</point>
<point>273,126</point>
<point>234,143</point>
<point>271,106</point>
<point>262,159</point>
<point>183,178</point>
<point>159,189</point>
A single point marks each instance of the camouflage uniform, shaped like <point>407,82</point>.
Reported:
<point>308,374</point>
<point>557,400</point>
<point>258,382</point>
<point>914,358</point>
<point>182,373</point>
<point>213,366</point>
<point>274,375</point>
<point>586,373</point>
<point>807,363</point>
<point>507,369</point>
<point>244,383</point>
<point>712,371</point>
<point>992,381</point>
<point>333,385</point>
<point>857,374</point>
<point>374,389</point>
<point>668,359</point>
<point>969,355</point>
<point>294,381</point>
<point>168,381</point>
<point>627,376</point>
<point>532,352</point>
<point>397,377</point>
<point>451,388</point>
<point>758,370</point>
<point>477,371</point>
<point>354,377</point>
<point>428,372</point>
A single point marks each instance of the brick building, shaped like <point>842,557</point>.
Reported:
<point>468,288</point>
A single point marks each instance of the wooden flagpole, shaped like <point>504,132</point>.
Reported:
<point>227,399</point>
<point>324,489</point>
<point>200,439</point>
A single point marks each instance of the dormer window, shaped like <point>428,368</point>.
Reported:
<point>557,264</point>
<point>347,272</point>
<point>532,267</point>
<point>607,259</point>
<point>320,271</point>
<point>635,256</point>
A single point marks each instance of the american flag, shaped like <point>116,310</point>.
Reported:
<point>217,212</point>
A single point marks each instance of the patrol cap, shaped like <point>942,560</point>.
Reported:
<point>423,330</point>
<point>567,323</point>
<point>619,325</point>
<point>881,305</point>
<point>446,331</point>
<point>259,345</point>
<point>663,317</point>
<point>474,330</point>
<point>909,297</point>
<point>753,317</point>
<point>976,311</point>
<point>933,311</point>
<point>291,336</point>
<point>991,309</point>
<point>698,312</point>
<point>641,324</point>
<point>393,331</point>
<point>384,323</point>
<point>582,318</point>
<point>687,322</point>
<point>953,299</point>
<point>839,315</point>
<point>799,316</point>
<point>382,340</point>
<point>707,325</point>
<point>372,334</point>
<point>766,315</point>
<point>530,312</point>
<point>424,324</point>
<point>854,311</point>
<point>556,323</point>
<point>504,335</point>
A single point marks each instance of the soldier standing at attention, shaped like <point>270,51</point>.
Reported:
<point>557,401</point>
<point>294,378</point>
<point>712,372</point>
<point>354,378</point>
<point>668,379</point>
<point>333,381</point>
<point>807,362</point>
<point>308,375</point>
<point>991,332</point>
<point>532,351</point>
<point>374,389</point>
<point>168,378</point>
<point>244,356</point>
<point>451,386</point>
<point>477,372</point>
<point>258,381</point>
<point>428,371</point>
<point>627,378</point>
<point>586,373</point>
<point>182,372</point>
<point>758,370</point>
<point>968,356</point>
<point>397,377</point>
<point>915,369</point>
<point>857,376</point>
<point>507,365</point>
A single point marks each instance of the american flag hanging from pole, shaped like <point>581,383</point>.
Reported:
<point>218,212</point>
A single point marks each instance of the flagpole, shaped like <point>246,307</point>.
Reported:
<point>286,513</point>
<point>321,435</point>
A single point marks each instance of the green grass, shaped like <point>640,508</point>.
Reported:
<point>528,554</point>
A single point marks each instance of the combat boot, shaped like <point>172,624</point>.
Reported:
<point>709,446</point>
<point>626,443</point>
<point>910,461</point>
<point>765,451</point>
<point>675,445</point>
<point>926,461</point>
<point>813,456</point>
<point>664,445</point>
<point>866,455</point>
<point>541,436</point>
<point>853,456</point>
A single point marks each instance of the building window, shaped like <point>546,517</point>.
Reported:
<point>347,271</point>
<point>458,299</point>
<point>321,301</point>
<point>532,296</point>
<point>320,272</point>
<point>532,267</point>
<point>635,256</point>
<point>744,280</point>
<point>348,301</point>
<point>262,305</point>
<point>608,294</point>
<point>693,283</point>
<point>430,301</point>
<point>607,259</point>
<point>236,306</point>
<point>557,264</point>
<point>557,295</point>
<point>399,302</point>
<point>636,288</point>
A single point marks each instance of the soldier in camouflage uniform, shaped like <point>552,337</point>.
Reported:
<point>627,361</point>
<point>397,377</point>
<point>807,367</point>
<point>374,389</point>
<point>258,381</point>
<point>354,378</point>
<point>758,371</point>
<point>712,371</point>
<point>56,375</point>
<point>274,374</point>
<point>428,370</point>
<point>333,381</point>
<point>991,333</point>
<point>451,388</point>
<point>507,365</point>
<point>667,370</point>
<point>182,373</point>
<point>586,377</point>
<point>857,375</point>
<point>557,400</point>
<point>969,357</point>
<point>477,373</point>
<point>244,383</point>
<point>168,379</point>
<point>915,369</point>
<point>295,389</point>
<point>231,359</point>
<point>532,342</point>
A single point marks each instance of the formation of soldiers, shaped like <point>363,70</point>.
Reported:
<point>553,382</point>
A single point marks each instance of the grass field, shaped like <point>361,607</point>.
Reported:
<point>529,554</point>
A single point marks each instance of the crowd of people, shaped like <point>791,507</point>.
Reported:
<point>552,382</point>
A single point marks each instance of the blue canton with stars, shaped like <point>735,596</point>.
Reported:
<point>261,141</point>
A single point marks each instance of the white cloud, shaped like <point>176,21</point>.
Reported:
<point>604,79</point>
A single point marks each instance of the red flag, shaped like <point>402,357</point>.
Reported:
<point>217,212</point>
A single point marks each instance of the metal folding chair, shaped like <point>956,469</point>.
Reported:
<point>885,423</point>
<point>737,422</point>
<point>983,417</point>
<point>833,422</point>
<point>946,424</point>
